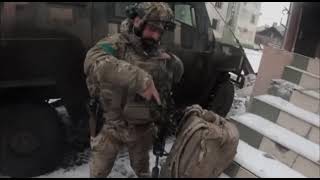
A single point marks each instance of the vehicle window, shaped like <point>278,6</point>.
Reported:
<point>218,4</point>
<point>185,14</point>
<point>120,8</point>
<point>215,23</point>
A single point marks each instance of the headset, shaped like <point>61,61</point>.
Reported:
<point>133,10</point>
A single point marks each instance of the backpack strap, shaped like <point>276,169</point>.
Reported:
<point>197,124</point>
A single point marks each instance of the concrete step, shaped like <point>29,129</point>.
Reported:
<point>260,164</point>
<point>223,175</point>
<point>289,148</point>
<point>280,135</point>
<point>305,63</point>
<point>302,78</point>
<point>287,115</point>
<point>291,109</point>
<point>235,170</point>
<point>306,99</point>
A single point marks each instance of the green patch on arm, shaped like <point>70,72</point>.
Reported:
<point>108,48</point>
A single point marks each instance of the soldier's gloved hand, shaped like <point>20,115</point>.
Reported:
<point>151,92</point>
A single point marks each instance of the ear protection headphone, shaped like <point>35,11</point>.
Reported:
<point>133,10</point>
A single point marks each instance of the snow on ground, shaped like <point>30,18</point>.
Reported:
<point>77,165</point>
<point>121,167</point>
<point>242,96</point>
<point>239,105</point>
<point>284,89</point>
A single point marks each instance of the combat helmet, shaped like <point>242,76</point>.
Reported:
<point>158,14</point>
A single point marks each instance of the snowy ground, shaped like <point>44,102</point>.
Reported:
<point>121,168</point>
<point>77,165</point>
<point>242,96</point>
<point>80,166</point>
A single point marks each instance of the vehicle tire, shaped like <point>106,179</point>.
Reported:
<point>222,98</point>
<point>31,139</point>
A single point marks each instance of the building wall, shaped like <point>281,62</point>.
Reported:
<point>248,16</point>
<point>242,18</point>
<point>218,32</point>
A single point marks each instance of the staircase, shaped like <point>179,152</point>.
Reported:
<point>279,135</point>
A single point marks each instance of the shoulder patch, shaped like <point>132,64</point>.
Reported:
<point>108,48</point>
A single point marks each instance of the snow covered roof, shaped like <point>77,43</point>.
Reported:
<point>254,58</point>
<point>280,29</point>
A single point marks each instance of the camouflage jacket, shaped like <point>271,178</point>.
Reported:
<point>117,69</point>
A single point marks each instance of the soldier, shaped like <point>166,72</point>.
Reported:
<point>124,72</point>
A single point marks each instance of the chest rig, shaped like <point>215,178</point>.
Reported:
<point>137,109</point>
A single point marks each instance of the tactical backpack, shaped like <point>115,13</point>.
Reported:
<point>205,146</point>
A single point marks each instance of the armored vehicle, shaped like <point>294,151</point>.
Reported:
<point>42,49</point>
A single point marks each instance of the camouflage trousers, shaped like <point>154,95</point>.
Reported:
<point>106,146</point>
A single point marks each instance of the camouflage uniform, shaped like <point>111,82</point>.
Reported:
<point>117,68</point>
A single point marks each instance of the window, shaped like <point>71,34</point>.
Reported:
<point>214,23</point>
<point>218,5</point>
<point>193,17</point>
<point>185,14</point>
<point>120,8</point>
<point>253,19</point>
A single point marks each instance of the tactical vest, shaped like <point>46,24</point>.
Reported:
<point>136,110</point>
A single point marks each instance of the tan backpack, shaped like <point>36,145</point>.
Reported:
<point>205,146</point>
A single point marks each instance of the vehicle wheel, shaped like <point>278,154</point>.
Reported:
<point>222,99</point>
<point>31,139</point>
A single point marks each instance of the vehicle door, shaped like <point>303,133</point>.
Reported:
<point>107,17</point>
<point>189,45</point>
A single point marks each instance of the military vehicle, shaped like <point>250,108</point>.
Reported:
<point>42,49</point>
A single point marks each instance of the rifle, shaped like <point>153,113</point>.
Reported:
<point>166,126</point>
<point>166,122</point>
